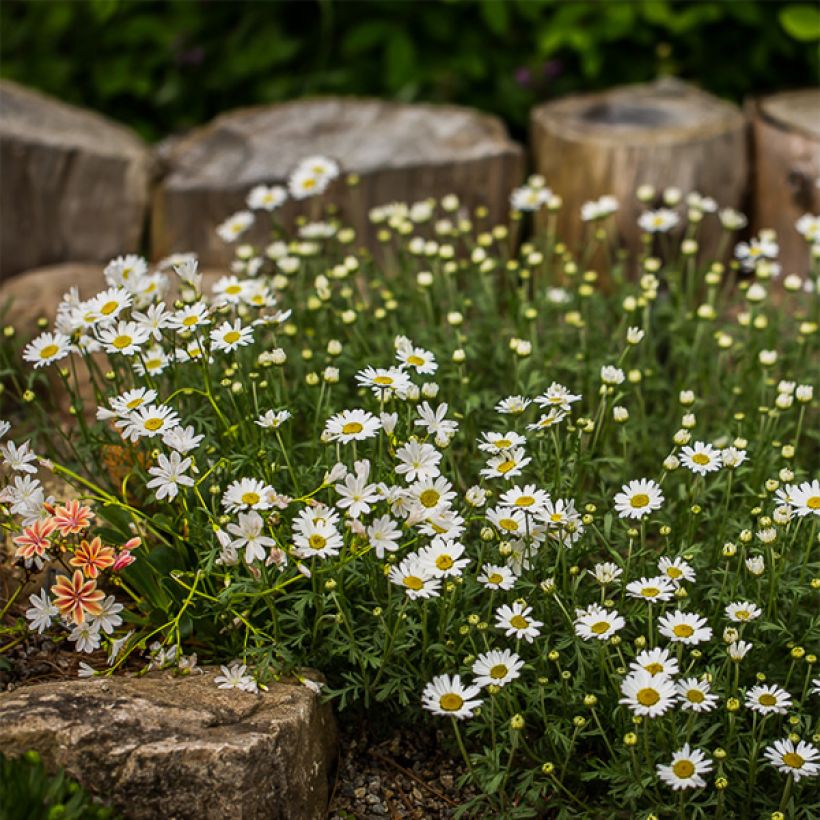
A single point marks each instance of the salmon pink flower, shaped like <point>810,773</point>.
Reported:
<point>75,597</point>
<point>123,560</point>
<point>34,540</point>
<point>93,557</point>
<point>72,518</point>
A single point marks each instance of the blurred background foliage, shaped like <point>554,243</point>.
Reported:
<point>165,65</point>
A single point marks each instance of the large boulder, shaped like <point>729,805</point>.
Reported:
<point>179,747</point>
<point>74,184</point>
<point>400,152</point>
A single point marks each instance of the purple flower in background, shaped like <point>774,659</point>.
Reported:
<point>523,76</point>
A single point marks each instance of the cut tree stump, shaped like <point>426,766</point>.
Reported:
<point>74,184</point>
<point>399,151</point>
<point>786,129</point>
<point>662,134</point>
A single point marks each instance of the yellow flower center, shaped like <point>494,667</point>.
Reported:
<point>352,427</point>
<point>813,503</point>
<point>700,458</point>
<point>307,184</point>
<point>108,308</point>
<point>232,336</point>
<point>48,351</point>
<point>695,696</point>
<point>683,631</point>
<point>415,583</point>
<point>499,671</point>
<point>648,697</point>
<point>503,443</point>
<point>767,699</point>
<point>508,524</point>
<point>524,501</point>
<point>556,517</point>
<point>383,380</point>
<point>742,614</point>
<point>444,562</point>
<point>495,578</point>
<point>793,759</point>
<point>654,668</point>
<point>121,342</point>
<point>190,321</point>
<point>650,592</point>
<point>429,498</point>
<point>683,768</point>
<point>233,289</point>
<point>316,541</point>
<point>600,627</point>
<point>640,500</point>
<point>505,466</point>
<point>153,423</point>
<point>519,622</point>
<point>133,404</point>
<point>416,361</point>
<point>250,498</point>
<point>674,572</point>
<point>451,702</point>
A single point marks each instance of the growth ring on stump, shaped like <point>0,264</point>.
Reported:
<point>786,130</point>
<point>400,152</point>
<point>663,134</point>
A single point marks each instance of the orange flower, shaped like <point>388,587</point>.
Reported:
<point>34,539</point>
<point>75,597</point>
<point>72,518</point>
<point>93,557</point>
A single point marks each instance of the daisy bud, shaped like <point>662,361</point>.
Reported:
<point>630,739</point>
<point>729,550</point>
<point>798,652</point>
<point>548,768</point>
<point>459,356</point>
<point>804,393</point>
<point>760,322</point>
<point>682,437</point>
<point>767,357</point>
<point>553,655</point>
<point>787,451</point>
<point>721,783</point>
<point>487,534</point>
<point>671,463</point>
<point>454,318</point>
<point>706,312</point>
<point>732,705</point>
<point>516,722</point>
<point>689,247</point>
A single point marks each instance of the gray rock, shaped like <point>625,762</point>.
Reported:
<point>400,152</point>
<point>74,184</point>
<point>179,747</point>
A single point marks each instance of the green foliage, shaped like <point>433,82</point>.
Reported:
<point>164,66</point>
<point>28,792</point>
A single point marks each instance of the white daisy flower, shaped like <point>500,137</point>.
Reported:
<point>273,419</point>
<point>506,465</point>
<point>743,611</point>
<point>352,425</point>
<point>508,520</point>
<point>448,697</point>
<point>416,578</point>
<point>106,306</point>
<point>597,622</point>
<point>47,348</point>
<point>512,405</point>
<point>383,534</point>
<point>169,475</point>
<point>247,494</point>
<point>496,577</point>
<point>555,416</point>
<point>316,538</point>
<point>695,695</point>
<point>768,700</point>
<point>676,570</point>
<point>444,558</point>
<point>422,361</point>
<point>639,498</point>
<point>355,491</point>
<point>648,695</point>
<point>234,226</point>
<point>182,439</point>
<point>732,457</point>
<point>249,536</point>
<point>150,421</point>
<point>655,589</point>
<point>702,458</point>
<point>383,380</point>
<point>516,621</point>
<point>435,421</point>
<point>496,668</point>
<point>556,395</point>
<point>495,442</point>
<point>656,662</point>
<point>605,573</point>
<point>231,335</point>
<point>686,769</point>
<point>529,498</point>
<point>235,677</point>
<point>417,461</point>
<point>264,198</point>
<point>529,198</point>
<point>738,650</point>
<point>805,497</point>
<point>86,636</point>
<point>797,759</point>
<point>684,627</point>
<point>659,221</point>
<point>41,612</point>
<point>190,316</point>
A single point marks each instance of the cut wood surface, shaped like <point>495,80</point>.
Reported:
<point>400,152</point>
<point>786,130</point>
<point>74,185</point>
<point>663,134</point>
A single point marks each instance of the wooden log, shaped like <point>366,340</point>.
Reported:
<point>400,152</point>
<point>664,134</point>
<point>786,130</point>
<point>74,184</point>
